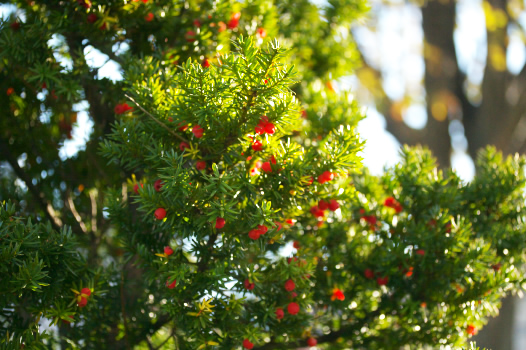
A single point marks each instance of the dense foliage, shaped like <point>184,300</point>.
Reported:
<point>220,201</point>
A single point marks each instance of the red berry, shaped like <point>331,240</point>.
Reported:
<point>220,223</point>
<point>190,36</point>
<point>92,18</point>
<point>280,313</point>
<point>333,205</point>
<point>205,63</point>
<point>248,285</point>
<point>326,176</point>
<point>293,295</point>
<point>182,126</point>
<point>183,146</point>
<point>496,267</point>
<point>168,251</point>
<point>200,165</point>
<point>290,285</point>
<point>84,3</point>
<point>160,213</point>
<point>197,23</point>
<point>317,212</point>
<point>234,20</point>
<point>293,308</point>
<point>273,159</point>
<point>471,329</point>
<point>323,205</point>
<point>257,146</point>
<point>260,129</point>
<point>270,128</point>
<point>369,274</point>
<point>389,201</point>
<point>158,185</point>
<point>149,17</point>
<point>280,226</point>
<point>247,344</point>
<point>136,188</point>
<point>83,302</point>
<point>266,167</point>
<point>262,33</point>
<point>382,281</point>
<point>122,108</point>
<point>171,285</point>
<point>337,294</point>
<point>421,252</point>
<point>312,341</point>
<point>85,291</point>
<point>197,130</point>
<point>296,245</point>
<point>254,234</point>
<point>263,229</point>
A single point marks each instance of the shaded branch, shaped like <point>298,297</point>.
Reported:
<point>39,196</point>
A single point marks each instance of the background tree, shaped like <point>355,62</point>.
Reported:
<point>462,75</point>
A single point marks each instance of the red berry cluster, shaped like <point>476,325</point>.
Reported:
<point>393,203</point>
<point>337,294</point>
<point>82,297</point>
<point>122,108</point>
<point>265,126</point>
<point>319,210</point>
<point>257,232</point>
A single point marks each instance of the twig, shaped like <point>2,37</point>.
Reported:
<point>93,199</point>
<point>76,214</point>
<point>157,120</point>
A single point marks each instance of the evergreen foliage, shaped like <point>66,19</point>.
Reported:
<point>236,210</point>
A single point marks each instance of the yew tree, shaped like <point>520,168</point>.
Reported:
<point>220,201</point>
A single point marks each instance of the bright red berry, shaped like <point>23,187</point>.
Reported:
<point>333,205</point>
<point>136,188</point>
<point>92,18</point>
<point>280,226</point>
<point>254,234</point>
<point>293,308</point>
<point>205,63</point>
<point>266,167</point>
<point>261,32</point>
<point>323,205</point>
<point>471,329</point>
<point>312,341</point>
<point>197,130</point>
<point>158,185</point>
<point>220,223</point>
<point>248,285</point>
<point>168,251</point>
<point>83,302</point>
<point>270,128</point>
<point>160,213</point>
<point>280,313</point>
<point>263,229</point>
<point>317,212</point>
<point>171,285</point>
<point>369,274</point>
<point>382,281</point>
<point>200,165</point>
<point>234,20</point>
<point>337,294</point>
<point>260,129</point>
<point>290,285</point>
<point>85,291</point>
<point>257,146</point>
<point>247,344</point>
<point>122,108</point>
<point>326,176</point>
<point>149,17</point>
